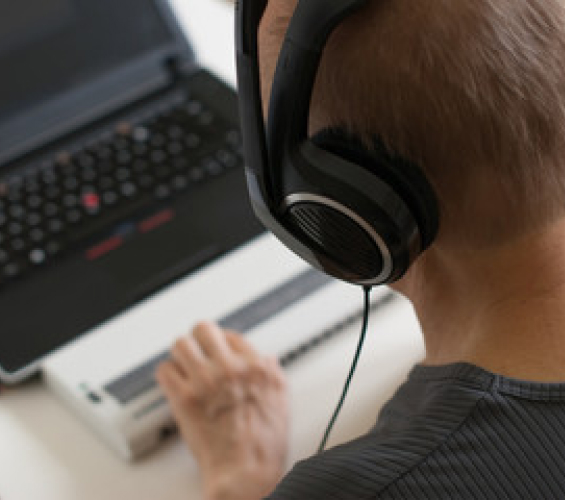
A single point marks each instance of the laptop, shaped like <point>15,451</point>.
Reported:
<point>120,168</point>
<point>124,215</point>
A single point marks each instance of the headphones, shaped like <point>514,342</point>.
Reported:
<point>359,214</point>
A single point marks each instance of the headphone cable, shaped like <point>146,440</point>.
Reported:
<point>367,297</point>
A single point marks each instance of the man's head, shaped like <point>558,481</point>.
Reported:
<point>472,91</point>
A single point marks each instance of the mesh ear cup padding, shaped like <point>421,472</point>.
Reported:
<point>405,178</point>
<point>332,233</point>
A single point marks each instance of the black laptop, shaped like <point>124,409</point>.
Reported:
<point>120,167</point>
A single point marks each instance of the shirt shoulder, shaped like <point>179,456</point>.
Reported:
<point>449,432</point>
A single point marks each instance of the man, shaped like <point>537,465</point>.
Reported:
<point>474,92</point>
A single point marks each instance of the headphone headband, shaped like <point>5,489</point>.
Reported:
<point>248,16</point>
<point>343,217</point>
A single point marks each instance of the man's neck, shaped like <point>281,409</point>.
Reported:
<point>501,309</point>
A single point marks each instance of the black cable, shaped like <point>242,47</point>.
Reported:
<point>367,296</point>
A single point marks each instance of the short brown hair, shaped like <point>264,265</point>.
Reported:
<point>473,90</point>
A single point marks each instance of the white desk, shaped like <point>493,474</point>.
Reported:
<point>47,454</point>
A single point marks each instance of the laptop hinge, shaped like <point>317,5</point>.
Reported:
<point>172,67</point>
<point>177,67</point>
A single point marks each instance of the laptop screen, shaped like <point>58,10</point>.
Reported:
<point>50,46</point>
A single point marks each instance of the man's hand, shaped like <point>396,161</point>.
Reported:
<point>230,404</point>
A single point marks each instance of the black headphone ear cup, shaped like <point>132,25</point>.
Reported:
<point>404,177</point>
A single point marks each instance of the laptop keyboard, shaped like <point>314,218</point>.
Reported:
<point>73,195</point>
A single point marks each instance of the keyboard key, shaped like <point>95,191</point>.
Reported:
<point>88,175</point>
<point>196,174</point>
<point>179,183</point>
<point>109,198</point>
<point>162,172</point>
<point>140,149</point>
<point>121,144</point>
<point>85,161</point>
<point>227,158</point>
<point>74,216</point>
<point>158,157</point>
<point>103,153</point>
<point>48,176</point>
<point>206,118</point>
<point>67,170</point>
<point>50,209</point>
<point>175,148</point>
<point>11,270</point>
<point>71,183</point>
<point>17,211</point>
<point>63,159</point>
<point>122,174</point>
<point>37,256</point>
<point>55,226</point>
<point>53,248</point>
<point>233,138</point>
<point>15,195</point>
<point>34,201</point>
<point>162,191</point>
<point>37,235</point>
<point>17,244</point>
<point>158,140</point>
<point>194,108</point>
<point>90,200</point>
<point>212,167</point>
<point>70,201</point>
<point>180,164</point>
<point>52,192</point>
<point>105,167</point>
<point>140,166</point>
<point>175,132</point>
<point>106,183</point>
<point>15,229</point>
<point>32,186</point>
<point>146,181</point>
<point>124,158</point>
<point>192,141</point>
<point>33,219</point>
<point>128,189</point>
<point>140,134</point>
<point>124,128</point>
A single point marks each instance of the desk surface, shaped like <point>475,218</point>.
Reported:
<point>47,454</point>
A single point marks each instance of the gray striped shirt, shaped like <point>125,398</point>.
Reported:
<point>450,432</point>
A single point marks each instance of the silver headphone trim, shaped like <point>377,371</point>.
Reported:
<point>385,274</point>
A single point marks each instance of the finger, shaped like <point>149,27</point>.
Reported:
<point>177,390</point>
<point>239,345</point>
<point>213,342</point>
<point>277,372</point>
<point>170,379</point>
<point>188,356</point>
